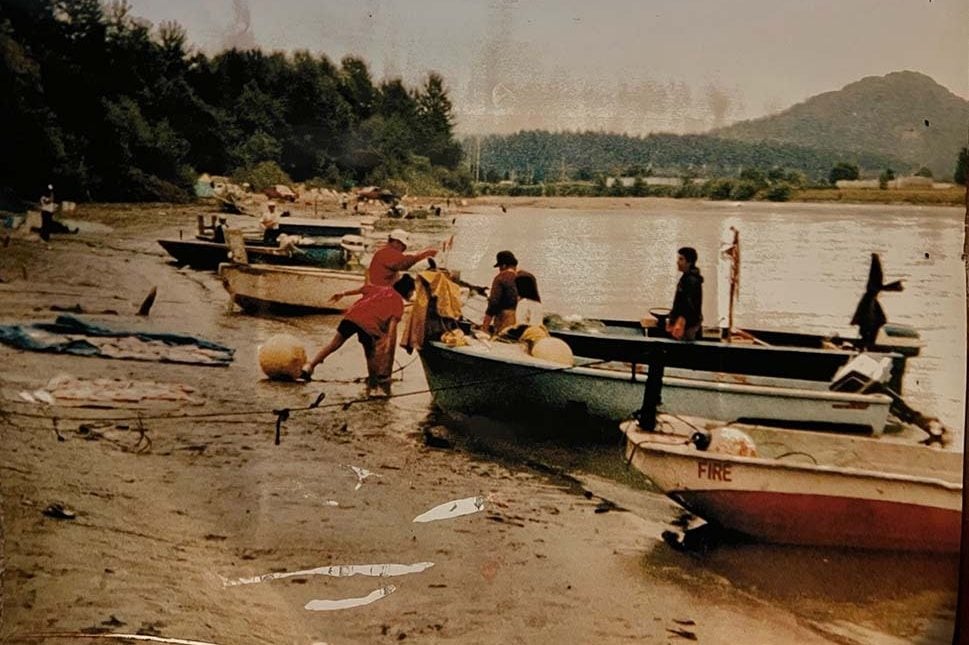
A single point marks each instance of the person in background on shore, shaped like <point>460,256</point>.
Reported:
<point>686,315</point>
<point>503,297</point>
<point>270,223</point>
<point>47,207</point>
<point>371,319</point>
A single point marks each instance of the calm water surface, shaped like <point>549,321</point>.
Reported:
<point>804,267</point>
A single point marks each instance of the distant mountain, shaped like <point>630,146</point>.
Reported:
<point>905,115</point>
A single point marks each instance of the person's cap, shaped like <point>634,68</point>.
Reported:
<point>270,203</point>
<point>506,258</point>
<point>400,235</point>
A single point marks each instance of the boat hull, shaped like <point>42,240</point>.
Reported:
<point>256,287</point>
<point>828,520</point>
<point>478,382</point>
<point>901,497</point>
<point>207,256</point>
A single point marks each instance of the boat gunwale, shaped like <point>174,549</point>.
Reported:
<point>305,271</point>
<point>680,451</point>
<point>641,340</point>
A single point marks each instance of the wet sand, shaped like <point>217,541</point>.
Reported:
<point>157,531</point>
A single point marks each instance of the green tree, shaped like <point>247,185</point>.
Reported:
<point>357,87</point>
<point>262,175</point>
<point>259,147</point>
<point>887,175</point>
<point>755,176</point>
<point>962,167</point>
<point>639,188</point>
<point>106,107</point>
<point>779,192</point>
<point>744,190</point>
<point>924,172</point>
<point>719,189</point>
<point>436,122</point>
<point>843,170</point>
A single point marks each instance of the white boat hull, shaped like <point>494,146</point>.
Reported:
<point>812,488</point>
<point>261,286</point>
<point>502,380</point>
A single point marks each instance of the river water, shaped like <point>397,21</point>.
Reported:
<point>803,267</point>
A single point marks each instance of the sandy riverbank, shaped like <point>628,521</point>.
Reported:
<point>159,529</point>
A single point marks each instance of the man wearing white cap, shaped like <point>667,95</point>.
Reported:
<point>270,223</point>
<point>384,270</point>
<point>390,260</point>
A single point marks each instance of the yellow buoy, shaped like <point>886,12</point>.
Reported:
<point>282,357</point>
<point>554,350</point>
<point>733,441</point>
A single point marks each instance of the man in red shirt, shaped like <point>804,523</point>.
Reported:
<point>390,260</point>
<point>384,269</point>
<point>371,319</point>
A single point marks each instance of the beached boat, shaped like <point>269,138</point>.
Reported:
<point>256,287</point>
<point>806,488</point>
<point>206,255</point>
<point>776,354</point>
<point>310,227</point>
<point>502,380</point>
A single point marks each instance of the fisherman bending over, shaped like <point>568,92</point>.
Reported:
<point>371,320</point>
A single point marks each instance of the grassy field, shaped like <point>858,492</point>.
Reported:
<point>955,196</point>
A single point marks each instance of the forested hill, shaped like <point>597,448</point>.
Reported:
<point>106,107</point>
<point>546,156</point>
<point>903,114</point>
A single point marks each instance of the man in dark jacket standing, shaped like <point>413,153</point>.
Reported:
<point>686,316</point>
<point>503,297</point>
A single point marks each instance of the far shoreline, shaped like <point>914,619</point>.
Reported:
<point>651,203</point>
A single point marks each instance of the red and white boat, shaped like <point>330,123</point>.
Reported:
<point>806,488</point>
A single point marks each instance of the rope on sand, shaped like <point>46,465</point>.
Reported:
<point>282,414</point>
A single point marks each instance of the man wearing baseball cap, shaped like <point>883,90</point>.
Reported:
<point>503,297</point>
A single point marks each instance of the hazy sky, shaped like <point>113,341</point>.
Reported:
<point>632,65</point>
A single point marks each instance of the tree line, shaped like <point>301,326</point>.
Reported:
<point>107,107</point>
<point>540,156</point>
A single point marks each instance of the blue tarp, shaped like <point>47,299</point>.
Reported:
<point>61,337</point>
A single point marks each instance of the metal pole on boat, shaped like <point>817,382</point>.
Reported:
<point>655,359</point>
